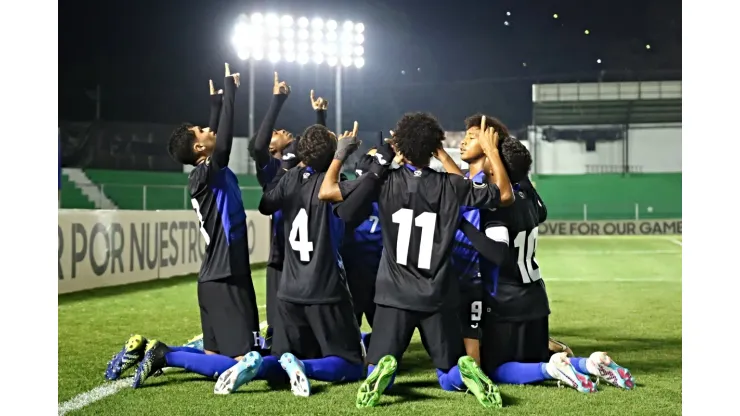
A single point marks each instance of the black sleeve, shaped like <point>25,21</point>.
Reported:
<point>527,186</point>
<point>472,194</point>
<point>272,199</point>
<point>216,101</point>
<point>275,180</point>
<point>259,146</point>
<point>358,196</point>
<point>494,251</point>
<point>321,117</point>
<point>225,137</point>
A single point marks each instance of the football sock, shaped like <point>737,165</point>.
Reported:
<point>450,380</point>
<point>365,336</point>
<point>187,349</point>
<point>521,373</point>
<point>332,368</point>
<point>270,369</point>
<point>370,369</point>
<point>579,363</point>
<point>203,364</point>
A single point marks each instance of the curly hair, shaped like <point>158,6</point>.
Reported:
<point>498,126</point>
<point>417,137</point>
<point>316,147</point>
<point>180,146</point>
<point>516,158</point>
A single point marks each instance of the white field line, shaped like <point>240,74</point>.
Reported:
<point>674,241</point>
<point>104,390</point>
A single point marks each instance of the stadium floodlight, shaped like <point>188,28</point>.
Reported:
<point>279,38</point>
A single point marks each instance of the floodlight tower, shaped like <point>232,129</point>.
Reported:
<point>301,40</point>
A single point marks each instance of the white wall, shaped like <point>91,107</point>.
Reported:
<point>652,147</point>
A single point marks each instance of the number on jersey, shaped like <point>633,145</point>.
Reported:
<point>526,244</point>
<point>196,207</point>
<point>374,220</point>
<point>476,310</point>
<point>298,237</point>
<point>427,221</point>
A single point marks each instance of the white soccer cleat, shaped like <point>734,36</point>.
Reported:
<point>299,384</point>
<point>561,369</point>
<point>602,366</point>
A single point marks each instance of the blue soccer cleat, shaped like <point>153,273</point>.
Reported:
<point>196,342</point>
<point>153,362</point>
<point>299,383</point>
<point>130,355</point>
<point>239,374</point>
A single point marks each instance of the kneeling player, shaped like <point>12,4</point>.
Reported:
<point>515,329</point>
<point>419,213</point>
<point>318,337</point>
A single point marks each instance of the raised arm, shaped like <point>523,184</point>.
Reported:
<point>259,146</point>
<point>319,106</point>
<point>274,195</point>
<point>346,144</point>
<point>222,151</point>
<point>497,175</point>
<point>216,101</point>
<point>448,163</point>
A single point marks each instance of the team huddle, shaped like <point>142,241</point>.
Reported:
<point>450,253</point>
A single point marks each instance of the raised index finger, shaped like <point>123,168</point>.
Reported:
<point>483,125</point>
<point>276,78</point>
<point>226,67</point>
<point>312,99</point>
<point>354,129</point>
<point>210,84</point>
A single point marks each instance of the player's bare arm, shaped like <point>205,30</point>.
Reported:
<point>224,140</point>
<point>216,98</point>
<point>320,106</point>
<point>346,145</point>
<point>497,175</point>
<point>448,163</point>
<point>259,146</point>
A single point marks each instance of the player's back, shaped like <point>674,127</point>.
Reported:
<point>515,288</point>
<point>217,200</point>
<point>419,215</point>
<point>312,269</point>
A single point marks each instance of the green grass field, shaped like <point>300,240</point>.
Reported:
<point>619,294</point>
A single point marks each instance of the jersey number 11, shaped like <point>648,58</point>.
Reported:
<point>427,221</point>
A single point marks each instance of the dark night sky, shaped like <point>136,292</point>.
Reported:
<point>153,59</point>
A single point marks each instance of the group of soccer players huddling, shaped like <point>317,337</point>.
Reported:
<point>449,253</point>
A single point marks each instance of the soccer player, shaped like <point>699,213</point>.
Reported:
<point>419,214</point>
<point>514,345</point>
<point>267,149</point>
<point>361,251</point>
<point>318,337</point>
<point>228,306</point>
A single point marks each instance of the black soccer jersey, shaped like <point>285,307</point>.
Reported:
<point>312,269</point>
<point>217,200</point>
<point>515,290</point>
<point>419,215</point>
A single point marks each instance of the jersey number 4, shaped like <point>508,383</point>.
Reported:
<point>427,221</point>
<point>526,244</point>
<point>298,237</point>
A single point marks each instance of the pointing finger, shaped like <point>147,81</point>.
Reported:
<point>226,67</point>
<point>276,78</point>
<point>483,124</point>
<point>312,99</point>
<point>210,85</point>
<point>354,129</point>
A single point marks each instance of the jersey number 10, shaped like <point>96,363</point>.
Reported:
<point>427,221</point>
<point>526,246</point>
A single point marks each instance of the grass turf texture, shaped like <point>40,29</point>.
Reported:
<point>618,294</point>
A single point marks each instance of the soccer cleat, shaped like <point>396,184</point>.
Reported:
<point>562,370</point>
<point>130,355</point>
<point>376,382</point>
<point>196,342</point>
<point>602,366</point>
<point>478,383</point>
<point>299,384</point>
<point>154,361</point>
<point>556,346</point>
<point>239,374</point>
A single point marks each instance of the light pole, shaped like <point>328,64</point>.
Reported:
<point>276,38</point>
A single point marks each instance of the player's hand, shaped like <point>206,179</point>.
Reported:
<point>290,155</point>
<point>213,90</point>
<point>230,75</point>
<point>441,154</point>
<point>397,156</point>
<point>318,103</point>
<point>347,144</point>
<point>280,87</point>
<point>488,138</point>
